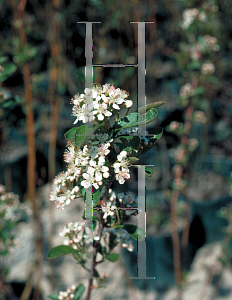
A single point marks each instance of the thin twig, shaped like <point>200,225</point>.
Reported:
<point>129,281</point>
<point>19,14</point>
<point>175,237</point>
<point>208,281</point>
<point>53,39</point>
<point>99,234</point>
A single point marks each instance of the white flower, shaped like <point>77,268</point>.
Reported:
<point>108,210</point>
<point>202,16</point>
<point>90,236</point>
<point>121,167</point>
<point>189,15</point>
<point>75,190</point>
<point>116,167</point>
<point>98,176</point>
<point>208,68</point>
<point>130,247</point>
<point>128,103</point>
<point>104,169</point>
<point>90,171</point>
<point>186,90</point>
<point>121,155</point>
<point>112,196</point>
<point>211,43</point>
<point>101,111</point>
<point>106,174</point>
<point>87,182</point>
<point>66,242</point>
<point>101,160</point>
<point>98,103</point>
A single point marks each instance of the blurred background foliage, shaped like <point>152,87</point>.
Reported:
<point>44,38</point>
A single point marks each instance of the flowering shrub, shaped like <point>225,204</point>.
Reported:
<point>198,62</point>
<point>96,156</point>
<point>11,213</point>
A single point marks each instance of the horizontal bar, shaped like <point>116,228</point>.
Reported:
<point>114,65</point>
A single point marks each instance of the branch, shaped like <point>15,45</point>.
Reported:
<point>100,229</point>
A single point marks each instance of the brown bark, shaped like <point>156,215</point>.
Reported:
<point>100,229</point>
<point>175,237</point>
<point>19,14</point>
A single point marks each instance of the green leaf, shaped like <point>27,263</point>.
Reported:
<point>54,296</point>
<point>81,134</point>
<point>213,79</point>
<point>199,90</point>
<point>135,143</point>
<point>3,59</point>
<point>9,69</point>
<point>134,231</point>
<point>193,65</point>
<point>94,224</point>
<point>112,257</point>
<point>112,241</point>
<point>133,159</point>
<point>151,140</point>
<point>70,134</point>
<point>157,134</point>
<point>79,291</point>
<point>135,119</point>
<point>97,195</point>
<point>127,137</point>
<point>148,107</point>
<point>60,250</point>
<point>148,171</point>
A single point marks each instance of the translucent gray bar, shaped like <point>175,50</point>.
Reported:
<point>141,254</point>
<point>141,72</point>
<point>114,65</point>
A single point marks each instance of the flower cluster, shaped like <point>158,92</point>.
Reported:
<point>10,207</point>
<point>11,212</point>
<point>211,43</point>
<point>75,233</point>
<point>63,191</point>
<point>98,102</point>
<point>186,90</point>
<point>68,294</point>
<point>207,68</point>
<point>175,126</point>
<point>109,207</point>
<point>88,164</point>
<point>200,117</point>
<point>121,167</point>
<point>189,15</point>
<point>208,6</point>
<point>192,144</point>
